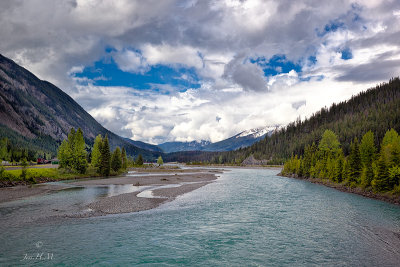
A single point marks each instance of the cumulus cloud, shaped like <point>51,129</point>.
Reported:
<point>246,74</point>
<point>131,61</point>
<point>217,41</point>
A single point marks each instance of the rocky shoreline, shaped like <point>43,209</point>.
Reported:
<point>160,187</point>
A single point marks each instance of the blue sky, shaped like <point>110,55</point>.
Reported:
<point>183,70</point>
<point>105,72</point>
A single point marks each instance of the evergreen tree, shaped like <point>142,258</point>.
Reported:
<point>367,154</point>
<point>307,162</point>
<point>116,160</point>
<point>96,151</point>
<point>381,180</point>
<point>391,148</point>
<point>79,152</point>
<point>64,155</point>
<point>394,176</point>
<point>354,162</point>
<point>395,155</point>
<point>72,153</point>
<point>124,159</point>
<point>71,142</point>
<point>105,158</point>
<point>367,149</point>
<point>390,137</point>
<point>160,161</point>
<point>139,160</point>
<point>338,175</point>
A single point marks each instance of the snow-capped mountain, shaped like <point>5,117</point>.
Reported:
<point>257,132</point>
<point>243,139</point>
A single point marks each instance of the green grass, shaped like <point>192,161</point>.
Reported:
<point>46,174</point>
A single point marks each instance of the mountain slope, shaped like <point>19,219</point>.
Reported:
<point>144,145</point>
<point>169,147</point>
<point>32,110</point>
<point>377,109</point>
<point>241,140</point>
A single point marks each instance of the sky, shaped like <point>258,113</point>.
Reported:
<point>183,70</point>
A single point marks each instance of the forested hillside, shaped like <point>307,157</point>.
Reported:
<point>35,115</point>
<point>377,110</point>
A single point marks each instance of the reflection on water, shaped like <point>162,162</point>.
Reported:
<point>70,200</point>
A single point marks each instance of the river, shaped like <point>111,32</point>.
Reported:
<point>247,217</point>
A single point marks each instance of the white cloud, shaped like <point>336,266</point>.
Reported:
<point>131,61</point>
<point>166,54</point>
<point>55,40</point>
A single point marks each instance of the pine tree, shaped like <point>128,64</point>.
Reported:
<point>339,168</point>
<point>367,154</point>
<point>354,162</point>
<point>367,148</point>
<point>124,159</point>
<point>390,137</point>
<point>71,141</point>
<point>394,176</point>
<point>96,151</point>
<point>79,152</point>
<point>139,160</point>
<point>105,159</point>
<point>380,182</point>
<point>116,160</point>
<point>307,161</point>
<point>64,155</point>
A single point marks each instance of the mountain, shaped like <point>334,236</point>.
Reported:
<point>169,147</point>
<point>241,140</point>
<point>37,115</point>
<point>144,145</point>
<point>376,109</point>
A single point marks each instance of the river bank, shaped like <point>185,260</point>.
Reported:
<point>134,191</point>
<point>387,197</point>
<point>182,181</point>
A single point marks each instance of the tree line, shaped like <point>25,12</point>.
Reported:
<point>15,154</point>
<point>376,109</point>
<point>72,155</point>
<point>367,165</point>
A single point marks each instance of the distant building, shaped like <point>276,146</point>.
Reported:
<point>42,161</point>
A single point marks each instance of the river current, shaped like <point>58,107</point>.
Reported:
<point>247,217</point>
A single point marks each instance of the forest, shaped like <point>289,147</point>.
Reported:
<point>368,165</point>
<point>376,109</point>
<point>72,155</point>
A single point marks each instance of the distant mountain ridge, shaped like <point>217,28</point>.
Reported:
<point>144,145</point>
<point>169,147</point>
<point>241,140</point>
<point>38,114</point>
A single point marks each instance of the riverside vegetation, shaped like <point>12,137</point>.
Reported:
<point>76,160</point>
<point>365,166</point>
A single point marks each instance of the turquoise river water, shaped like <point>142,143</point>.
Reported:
<point>248,217</point>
